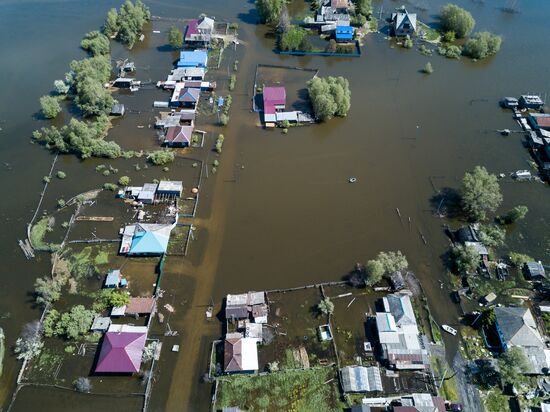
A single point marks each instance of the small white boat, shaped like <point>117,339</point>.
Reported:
<point>522,175</point>
<point>449,329</point>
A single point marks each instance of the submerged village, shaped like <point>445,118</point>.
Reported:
<point>365,342</point>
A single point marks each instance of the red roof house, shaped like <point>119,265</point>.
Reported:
<point>178,135</point>
<point>140,306</point>
<point>274,99</point>
<point>122,349</point>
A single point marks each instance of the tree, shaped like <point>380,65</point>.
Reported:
<point>374,271</point>
<point>161,157</point>
<point>408,43</point>
<point>392,261</point>
<point>110,27</point>
<point>513,365</point>
<point>454,18</point>
<point>50,322</point>
<point>118,298</point>
<point>363,7</point>
<point>175,38</point>
<point>61,87</point>
<point>488,318</point>
<point>284,21</point>
<point>515,214</point>
<point>293,39</point>
<point>130,21</point>
<point>124,181</point>
<point>83,384</point>
<point>96,43</point>
<point>325,306</point>
<point>50,106</point>
<point>47,290</point>
<point>449,36</point>
<point>269,10</point>
<point>518,259</point>
<point>482,45</point>
<point>492,235</point>
<point>29,344</point>
<point>466,258</point>
<point>93,98</point>
<point>330,96</point>
<point>75,322</point>
<point>480,193</point>
<point>428,69</point>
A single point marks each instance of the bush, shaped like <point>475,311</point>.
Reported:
<point>219,143</point>
<point>161,157</point>
<point>61,175</point>
<point>408,43</point>
<point>482,45</point>
<point>61,87</point>
<point>29,344</point>
<point>124,181</point>
<point>457,20</point>
<point>329,96</point>
<point>47,290</point>
<point>428,69</point>
<point>46,179</point>
<point>50,107</point>
<point>449,36</point>
<point>95,43</point>
<point>110,186</point>
<point>294,39</point>
<point>83,384</point>
<point>224,119</point>
<point>425,51</point>
<point>325,306</point>
<point>60,203</point>
<point>175,38</point>
<point>453,52</point>
<point>232,82</point>
<point>285,124</point>
<point>515,214</point>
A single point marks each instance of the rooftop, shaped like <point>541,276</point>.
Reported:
<point>240,355</point>
<point>140,305</point>
<point>122,349</point>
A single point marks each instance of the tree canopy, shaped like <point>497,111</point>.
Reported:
<point>513,364</point>
<point>374,271</point>
<point>269,10</point>
<point>466,258</point>
<point>127,22</point>
<point>161,157</point>
<point>363,7</point>
<point>385,262</point>
<point>480,193</point>
<point>330,96</point>
<point>175,38</point>
<point>492,235</point>
<point>95,43</point>
<point>513,215</point>
<point>481,45</point>
<point>457,19</point>
<point>50,107</point>
<point>110,27</point>
<point>325,306</point>
<point>75,322</point>
<point>294,39</point>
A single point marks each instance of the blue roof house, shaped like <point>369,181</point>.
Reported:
<point>149,239</point>
<point>195,58</point>
<point>344,33</point>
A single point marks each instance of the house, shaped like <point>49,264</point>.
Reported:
<point>122,349</point>
<point>403,23</point>
<point>403,347</point>
<point>170,188</point>
<point>117,110</point>
<point>516,327</point>
<point>186,73</point>
<point>178,136</point>
<point>361,379</point>
<point>333,13</point>
<point>240,354</point>
<point>343,34</point>
<point>114,279</point>
<point>100,324</point>
<point>244,305</point>
<point>186,97</point>
<point>340,5</point>
<point>145,239</point>
<point>274,99</point>
<point>481,250</point>
<point>140,306</point>
<point>147,193</point>
<point>194,58</point>
<point>530,101</point>
<point>534,271</point>
<point>199,30</point>
<point>540,121</point>
<point>421,402</point>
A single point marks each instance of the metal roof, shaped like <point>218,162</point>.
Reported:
<point>122,349</point>
<point>170,186</point>
<point>361,379</point>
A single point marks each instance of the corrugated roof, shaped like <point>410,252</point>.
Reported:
<point>122,349</point>
<point>140,305</point>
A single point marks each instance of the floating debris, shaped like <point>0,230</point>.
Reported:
<point>352,179</point>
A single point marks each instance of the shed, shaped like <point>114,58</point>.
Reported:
<point>100,324</point>
<point>259,313</point>
<point>122,349</point>
<point>140,306</point>
<point>194,58</point>
<point>113,279</point>
<point>254,330</point>
<point>343,33</point>
<point>117,109</point>
<point>118,311</point>
<point>361,379</point>
<point>147,193</point>
<point>534,270</point>
<point>170,188</point>
<point>490,298</point>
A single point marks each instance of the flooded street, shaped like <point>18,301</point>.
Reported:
<point>280,211</point>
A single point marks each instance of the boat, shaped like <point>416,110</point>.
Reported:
<point>522,175</point>
<point>352,179</point>
<point>449,329</point>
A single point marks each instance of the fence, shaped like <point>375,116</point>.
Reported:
<point>313,53</point>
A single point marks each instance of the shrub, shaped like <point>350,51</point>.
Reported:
<point>294,39</point>
<point>232,81</point>
<point>61,87</point>
<point>110,186</point>
<point>83,384</point>
<point>457,20</point>
<point>61,175</point>
<point>425,51</point>
<point>515,214</point>
<point>325,306</point>
<point>408,43</point>
<point>219,143</point>
<point>482,45</point>
<point>224,119</point>
<point>46,179</point>
<point>285,124</point>
<point>124,181</point>
<point>453,52</point>
<point>269,11</point>
<point>449,36</point>
<point>50,107</point>
<point>161,157</point>
<point>428,69</point>
<point>60,203</point>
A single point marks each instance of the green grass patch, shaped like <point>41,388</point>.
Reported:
<point>314,390</point>
<point>431,35</point>
<point>436,332</point>
<point>495,401</point>
<point>448,389</point>
<point>38,233</point>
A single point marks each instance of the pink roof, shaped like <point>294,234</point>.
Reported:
<point>192,29</point>
<point>273,96</point>
<point>179,134</point>
<point>121,352</point>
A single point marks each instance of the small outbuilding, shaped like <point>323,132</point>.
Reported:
<point>530,101</point>
<point>117,109</point>
<point>361,379</point>
<point>100,324</point>
<point>170,188</point>
<point>147,193</point>
<point>114,279</point>
<point>343,34</point>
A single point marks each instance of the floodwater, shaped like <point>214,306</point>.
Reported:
<point>280,212</point>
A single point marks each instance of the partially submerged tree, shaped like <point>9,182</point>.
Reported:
<point>175,38</point>
<point>374,271</point>
<point>75,322</point>
<point>515,214</point>
<point>480,193</point>
<point>161,157</point>
<point>47,290</point>
<point>330,96</point>
<point>482,45</point>
<point>29,344</point>
<point>269,10</point>
<point>50,107</point>
<point>428,69</point>
<point>466,258</point>
<point>325,306</point>
<point>363,7</point>
<point>110,27</point>
<point>457,19</point>
<point>96,43</point>
<point>492,235</point>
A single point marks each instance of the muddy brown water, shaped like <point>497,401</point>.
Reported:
<point>280,212</point>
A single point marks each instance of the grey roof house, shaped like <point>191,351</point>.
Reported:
<point>534,270</point>
<point>403,23</point>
